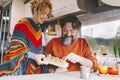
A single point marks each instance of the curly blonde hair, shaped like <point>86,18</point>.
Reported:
<point>40,5</point>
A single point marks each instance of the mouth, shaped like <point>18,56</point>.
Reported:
<point>68,37</point>
<point>68,40</point>
<point>42,20</point>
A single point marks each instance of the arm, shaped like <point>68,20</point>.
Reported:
<point>85,62</point>
<point>74,58</point>
<point>85,57</point>
<point>39,58</point>
<point>31,55</point>
<point>89,55</point>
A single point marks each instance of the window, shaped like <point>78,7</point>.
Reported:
<point>99,36</point>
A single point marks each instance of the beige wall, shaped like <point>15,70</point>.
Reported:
<point>28,10</point>
<point>19,10</point>
<point>17,13</point>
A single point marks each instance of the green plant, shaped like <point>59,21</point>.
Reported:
<point>116,46</point>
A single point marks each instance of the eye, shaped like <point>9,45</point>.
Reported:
<point>64,30</point>
<point>72,31</point>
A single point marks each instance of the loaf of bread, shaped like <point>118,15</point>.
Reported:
<point>56,61</point>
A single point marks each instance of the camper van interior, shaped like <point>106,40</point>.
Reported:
<point>100,27</point>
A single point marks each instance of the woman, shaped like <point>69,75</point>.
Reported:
<point>25,51</point>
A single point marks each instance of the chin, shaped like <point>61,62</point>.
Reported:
<point>41,22</point>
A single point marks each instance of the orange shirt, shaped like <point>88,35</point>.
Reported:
<point>79,47</point>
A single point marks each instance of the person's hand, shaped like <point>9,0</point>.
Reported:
<point>60,70</point>
<point>40,59</point>
<point>72,57</point>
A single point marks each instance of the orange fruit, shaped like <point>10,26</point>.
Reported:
<point>112,71</point>
<point>103,69</point>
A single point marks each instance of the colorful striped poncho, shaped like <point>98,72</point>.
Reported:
<point>27,36</point>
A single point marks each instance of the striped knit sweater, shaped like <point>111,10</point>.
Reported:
<point>27,36</point>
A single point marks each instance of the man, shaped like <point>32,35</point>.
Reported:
<point>71,48</point>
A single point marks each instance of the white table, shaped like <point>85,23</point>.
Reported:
<point>59,76</point>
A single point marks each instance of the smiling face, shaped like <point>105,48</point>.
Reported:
<point>40,16</point>
<point>69,34</point>
<point>40,10</point>
<point>70,27</point>
<point>43,15</point>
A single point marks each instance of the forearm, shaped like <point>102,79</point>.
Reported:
<point>31,55</point>
<point>85,62</point>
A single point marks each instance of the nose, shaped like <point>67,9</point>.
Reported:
<point>68,33</point>
<point>45,17</point>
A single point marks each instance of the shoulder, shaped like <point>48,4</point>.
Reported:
<point>23,20</point>
<point>54,41</point>
<point>82,39</point>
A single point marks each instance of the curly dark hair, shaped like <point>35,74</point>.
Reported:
<point>76,24</point>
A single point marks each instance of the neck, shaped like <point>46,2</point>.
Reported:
<point>35,19</point>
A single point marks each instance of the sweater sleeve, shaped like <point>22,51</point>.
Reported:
<point>88,54</point>
<point>31,55</point>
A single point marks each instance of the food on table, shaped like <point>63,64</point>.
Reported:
<point>112,71</point>
<point>56,61</point>
<point>103,69</point>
